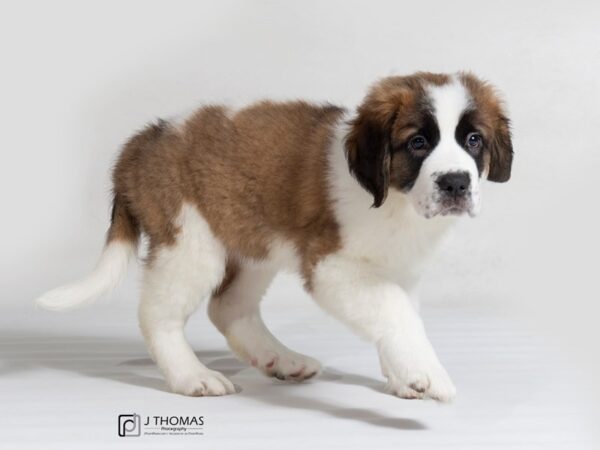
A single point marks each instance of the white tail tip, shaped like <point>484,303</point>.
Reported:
<point>110,269</point>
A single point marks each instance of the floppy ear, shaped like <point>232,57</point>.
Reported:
<point>501,152</point>
<point>368,152</point>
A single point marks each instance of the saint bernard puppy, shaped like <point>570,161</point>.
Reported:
<point>355,202</point>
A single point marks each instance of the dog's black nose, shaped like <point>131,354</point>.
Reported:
<point>455,184</point>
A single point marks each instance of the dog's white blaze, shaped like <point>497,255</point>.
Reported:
<point>449,102</point>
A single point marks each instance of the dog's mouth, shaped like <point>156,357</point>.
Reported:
<point>455,208</point>
<point>439,204</point>
<point>452,207</point>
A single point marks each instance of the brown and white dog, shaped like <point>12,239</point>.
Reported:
<point>355,203</point>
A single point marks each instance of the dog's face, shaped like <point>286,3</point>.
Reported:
<point>432,137</point>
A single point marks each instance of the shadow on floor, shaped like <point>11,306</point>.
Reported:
<point>122,360</point>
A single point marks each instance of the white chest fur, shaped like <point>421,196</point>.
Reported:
<point>393,239</point>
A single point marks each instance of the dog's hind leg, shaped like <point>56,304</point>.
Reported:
<point>177,278</point>
<point>235,311</point>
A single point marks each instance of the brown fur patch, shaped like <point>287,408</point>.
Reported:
<point>256,176</point>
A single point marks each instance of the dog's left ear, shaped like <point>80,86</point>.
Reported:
<point>501,152</point>
<point>368,152</point>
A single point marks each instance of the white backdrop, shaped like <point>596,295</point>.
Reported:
<point>78,77</point>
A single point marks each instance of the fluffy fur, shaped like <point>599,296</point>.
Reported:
<point>355,203</point>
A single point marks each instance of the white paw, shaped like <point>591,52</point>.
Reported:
<point>201,383</point>
<point>416,374</point>
<point>286,365</point>
<point>422,382</point>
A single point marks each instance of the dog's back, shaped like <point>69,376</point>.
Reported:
<point>254,174</point>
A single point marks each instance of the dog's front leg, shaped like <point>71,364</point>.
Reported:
<point>382,312</point>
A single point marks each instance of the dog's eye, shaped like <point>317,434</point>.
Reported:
<point>418,143</point>
<point>474,142</point>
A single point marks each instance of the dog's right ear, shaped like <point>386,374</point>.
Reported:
<point>368,153</point>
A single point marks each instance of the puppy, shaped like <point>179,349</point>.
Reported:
<point>354,202</point>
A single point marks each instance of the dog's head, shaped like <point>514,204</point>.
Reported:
<point>432,137</point>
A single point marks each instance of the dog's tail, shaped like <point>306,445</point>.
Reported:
<point>121,245</point>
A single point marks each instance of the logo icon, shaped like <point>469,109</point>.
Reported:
<point>129,425</point>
